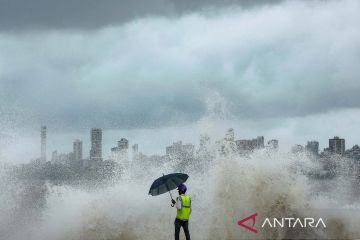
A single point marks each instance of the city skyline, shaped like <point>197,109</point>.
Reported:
<point>121,153</point>
<point>145,139</point>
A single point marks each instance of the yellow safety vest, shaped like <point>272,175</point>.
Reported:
<point>184,212</point>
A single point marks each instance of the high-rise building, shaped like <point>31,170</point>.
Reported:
<point>204,142</point>
<point>96,144</point>
<point>43,144</point>
<point>230,135</point>
<point>65,158</point>
<point>312,147</point>
<point>123,144</point>
<point>296,149</point>
<point>273,144</point>
<point>337,145</point>
<point>54,157</point>
<point>135,152</point>
<point>353,153</point>
<point>260,142</point>
<point>244,145</point>
<point>77,150</point>
<point>227,146</point>
<point>181,151</point>
<point>121,152</point>
<point>205,145</point>
<point>135,148</point>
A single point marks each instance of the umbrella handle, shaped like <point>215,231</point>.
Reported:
<point>171,195</point>
<point>172,205</point>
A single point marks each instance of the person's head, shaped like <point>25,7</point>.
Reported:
<point>182,188</point>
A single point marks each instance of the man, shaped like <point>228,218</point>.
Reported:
<point>183,205</point>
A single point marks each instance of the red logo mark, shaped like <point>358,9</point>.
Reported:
<point>253,217</point>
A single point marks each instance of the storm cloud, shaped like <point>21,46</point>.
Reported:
<point>18,15</point>
<point>286,60</point>
<point>160,72</point>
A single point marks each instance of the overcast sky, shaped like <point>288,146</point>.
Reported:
<point>170,70</point>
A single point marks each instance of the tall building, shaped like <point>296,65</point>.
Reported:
<point>259,142</point>
<point>273,144</point>
<point>135,148</point>
<point>65,158</point>
<point>43,144</point>
<point>77,150</point>
<point>135,152</point>
<point>353,153</point>
<point>96,144</point>
<point>250,144</point>
<point>123,144</point>
<point>312,147</point>
<point>230,135</point>
<point>337,145</point>
<point>205,145</point>
<point>181,151</point>
<point>54,157</point>
<point>121,152</point>
<point>296,149</point>
<point>204,142</point>
<point>227,146</point>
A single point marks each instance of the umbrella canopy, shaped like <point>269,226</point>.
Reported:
<point>167,183</point>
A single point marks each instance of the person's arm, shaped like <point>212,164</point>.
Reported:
<point>178,203</point>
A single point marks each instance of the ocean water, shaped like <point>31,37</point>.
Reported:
<point>223,190</point>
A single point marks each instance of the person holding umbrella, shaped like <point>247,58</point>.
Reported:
<point>183,205</point>
<point>166,183</point>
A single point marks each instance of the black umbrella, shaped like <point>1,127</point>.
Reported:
<point>166,183</point>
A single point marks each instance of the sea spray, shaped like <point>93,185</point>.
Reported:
<point>232,187</point>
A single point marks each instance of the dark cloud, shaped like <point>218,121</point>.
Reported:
<point>18,15</point>
<point>288,71</point>
<point>287,61</point>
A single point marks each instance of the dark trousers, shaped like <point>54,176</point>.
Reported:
<point>178,224</point>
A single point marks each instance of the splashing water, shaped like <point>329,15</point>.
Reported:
<point>231,188</point>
